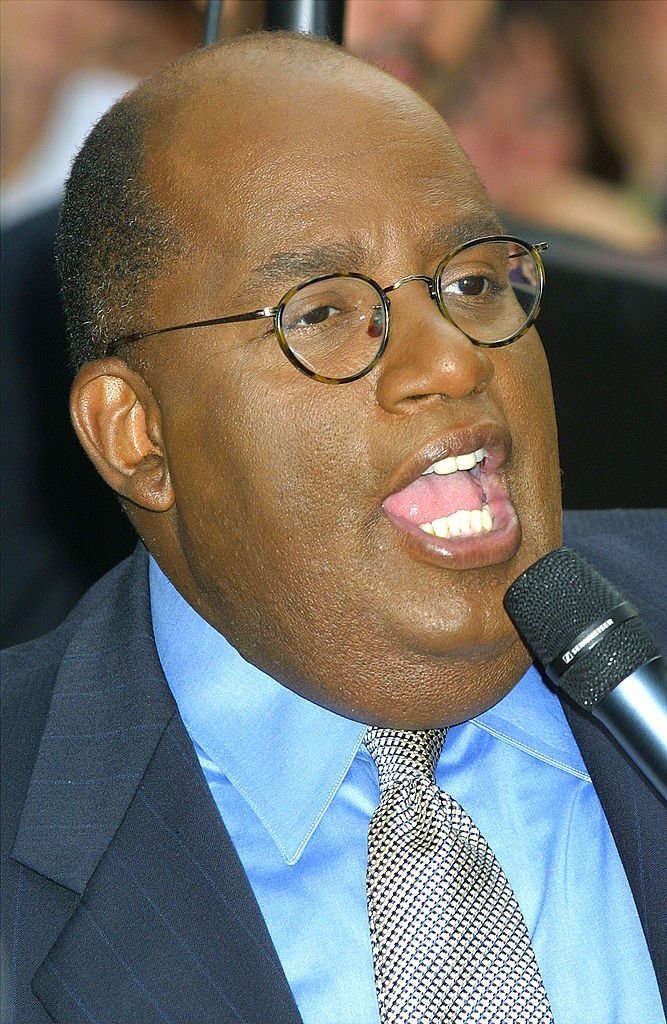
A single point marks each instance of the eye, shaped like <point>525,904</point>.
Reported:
<point>320,306</point>
<point>478,286</point>
<point>472,285</point>
<point>314,316</point>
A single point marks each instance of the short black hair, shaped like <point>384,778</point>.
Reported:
<point>114,238</point>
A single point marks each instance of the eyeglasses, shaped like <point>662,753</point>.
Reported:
<point>335,328</point>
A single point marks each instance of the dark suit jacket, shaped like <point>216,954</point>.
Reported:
<point>53,500</point>
<point>124,900</point>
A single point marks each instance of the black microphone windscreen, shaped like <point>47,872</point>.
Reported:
<point>554,603</point>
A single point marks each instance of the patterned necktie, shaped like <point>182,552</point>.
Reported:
<point>449,940</point>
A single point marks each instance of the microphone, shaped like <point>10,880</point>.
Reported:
<point>592,644</point>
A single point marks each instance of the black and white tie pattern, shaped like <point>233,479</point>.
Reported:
<point>449,940</point>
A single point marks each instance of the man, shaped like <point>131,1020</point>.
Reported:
<point>333,515</point>
<point>425,44</point>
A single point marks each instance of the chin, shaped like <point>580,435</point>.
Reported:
<point>426,692</point>
<point>437,714</point>
<point>468,626</point>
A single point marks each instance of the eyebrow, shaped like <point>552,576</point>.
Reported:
<point>446,237</point>
<point>312,261</point>
<point>337,257</point>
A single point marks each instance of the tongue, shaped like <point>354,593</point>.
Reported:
<point>431,497</point>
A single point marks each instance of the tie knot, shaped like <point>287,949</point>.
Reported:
<point>400,754</point>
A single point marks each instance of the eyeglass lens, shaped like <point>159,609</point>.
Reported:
<point>490,291</point>
<point>335,327</point>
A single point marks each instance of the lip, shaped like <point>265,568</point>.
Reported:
<point>494,438</point>
<point>479,550</point>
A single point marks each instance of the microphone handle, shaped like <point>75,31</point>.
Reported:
<point>635,713</point>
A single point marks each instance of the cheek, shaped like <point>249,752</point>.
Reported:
<point>265,525</point>
<point>257,478</point>
<point>524,385</point>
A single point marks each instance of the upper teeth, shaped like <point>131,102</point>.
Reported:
<point>456,462</point>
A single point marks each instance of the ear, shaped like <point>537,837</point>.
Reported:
<point>117,420</point>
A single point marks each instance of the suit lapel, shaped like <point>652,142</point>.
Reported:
<point>638,821</point>
<point>168,929</point>
<point>118,811</point>
<point>108,711</point>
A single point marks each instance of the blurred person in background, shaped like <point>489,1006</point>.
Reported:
<point>626,49</point>
<point>426,43</point>
<point>64,62</point>
<point>560,105</point>
<point>530,116</point>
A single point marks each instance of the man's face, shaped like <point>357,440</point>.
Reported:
<point>412,39</point>
<point>294,528</point>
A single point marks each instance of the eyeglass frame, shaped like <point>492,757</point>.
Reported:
<point>435,293</point>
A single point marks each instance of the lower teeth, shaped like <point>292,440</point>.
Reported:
<point>462,523</point>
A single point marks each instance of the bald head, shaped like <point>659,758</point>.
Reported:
<point>204,133</point>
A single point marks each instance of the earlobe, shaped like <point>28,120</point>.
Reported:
<point>117,420</point>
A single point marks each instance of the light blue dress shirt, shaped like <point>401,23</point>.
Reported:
<point>296,790</point>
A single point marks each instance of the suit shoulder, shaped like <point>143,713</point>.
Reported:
<point>29,672</point>
<point>638,526</point>
<point>23,663</point>
<point>24,669</point>
<point>629,547</point>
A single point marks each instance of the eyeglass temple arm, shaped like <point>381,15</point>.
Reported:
<point>127,339</point>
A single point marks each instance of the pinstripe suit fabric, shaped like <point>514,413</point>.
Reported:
<point>123,898</point>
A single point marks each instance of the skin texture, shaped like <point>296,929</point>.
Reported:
<point>259,491</point>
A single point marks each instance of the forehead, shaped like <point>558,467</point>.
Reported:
<point>360,166</point>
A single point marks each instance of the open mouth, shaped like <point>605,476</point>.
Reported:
<point>459,501</point>
<point>464,488</point>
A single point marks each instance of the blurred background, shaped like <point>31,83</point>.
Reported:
<point>561,106</point>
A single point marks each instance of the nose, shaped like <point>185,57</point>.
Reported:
<point>427,357</point>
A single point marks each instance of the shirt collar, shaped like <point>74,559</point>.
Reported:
<point>287,756</point>
<point>284,754</point>
<point>531,718</point>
